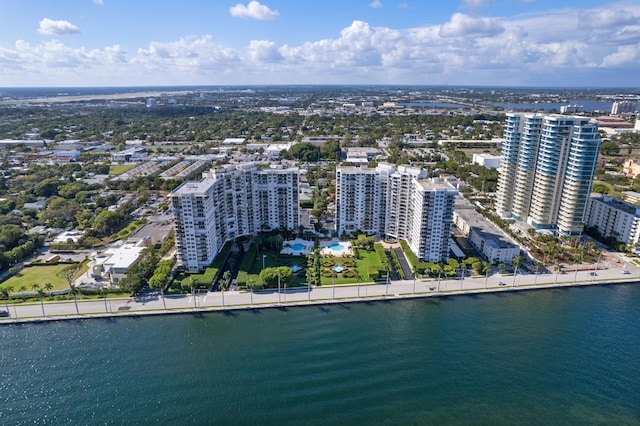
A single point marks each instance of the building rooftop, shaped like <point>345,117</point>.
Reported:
<point>199,187</point>
<point>434,184</point>
<point>617,204</point>
<point>481,225</point>
<point>120,257</point>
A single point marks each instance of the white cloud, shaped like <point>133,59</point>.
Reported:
<point>51,27</point>
<point>465,50</point>
<point>624,55</point>
<point>254,10</point>
<point>376,4</point>
<point>264,51</point>
<point>462,25</point>
<point>100,2</point>
<point>607,18</point>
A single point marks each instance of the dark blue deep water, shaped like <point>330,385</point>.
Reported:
<point>552,357</point>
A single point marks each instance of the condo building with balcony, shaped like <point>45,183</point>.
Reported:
<point>548,164</point>
<point>611,217</point>
<point>396,202</point>
<point>229,202</point>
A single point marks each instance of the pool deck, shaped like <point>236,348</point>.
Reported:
<point>346,248</point>
<point>288,249</point>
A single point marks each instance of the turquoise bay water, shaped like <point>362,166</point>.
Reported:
<point>565,356</point>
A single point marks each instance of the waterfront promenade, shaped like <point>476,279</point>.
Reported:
<point>153,304</point>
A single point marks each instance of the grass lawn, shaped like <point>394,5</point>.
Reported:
<point>368,259</point>
<point>119,169</point>
<point>274,259</point>
<point>203,278</point>
<point>41,275</point>
<point>131,227</point>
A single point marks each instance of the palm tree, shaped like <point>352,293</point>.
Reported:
<point>49,288</point>
<point>22,290</point>
<point>73,290</point>
<point>578,259</point>
<point>558,268</point>
<point>40,293</point>
<point>486,268</point>
<point>536,266</point>
<point>4,293</point>
<point>516,262</point>
<point>598,253</point>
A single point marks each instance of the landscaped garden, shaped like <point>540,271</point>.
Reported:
<point>183,281</point>
<point>252,265</point>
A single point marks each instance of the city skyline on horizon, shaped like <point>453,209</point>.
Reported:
<point>514,43</point>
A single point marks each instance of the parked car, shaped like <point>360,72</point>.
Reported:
<point>4,314</point>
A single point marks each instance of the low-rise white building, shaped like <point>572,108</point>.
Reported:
<point>487,160</point>
<point>612,217</point>
<point>483,235</point>
<point>113,263</point>
<point>128,155</point>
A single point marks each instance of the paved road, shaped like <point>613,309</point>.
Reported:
<point>154,304</point>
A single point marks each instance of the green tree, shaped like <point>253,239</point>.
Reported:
<point>600,188</point>
<point>304,151</point>
<point>73,291</point>
<point>5,293</point>
<point>330,151</point>
<point>609,148</point>
<point>269,276</point>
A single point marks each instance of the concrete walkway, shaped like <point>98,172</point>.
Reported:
<point>301,296</point>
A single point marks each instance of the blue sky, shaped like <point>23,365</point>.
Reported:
<point>219,42</point>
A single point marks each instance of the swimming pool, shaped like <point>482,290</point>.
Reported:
<point>297,246</point>
<point>336,247</point>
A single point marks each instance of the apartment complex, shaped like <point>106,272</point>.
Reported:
<point>230,202</point>
<point>614,218</point>
<point>623,107</point>
<point>483,235</point>
<point>396,202</point>
<point>548,164</point>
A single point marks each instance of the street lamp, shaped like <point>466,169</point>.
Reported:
<point>333,278</point>
<point>414,282</point>
<point>104,294</point>
<point>386,290</point>
<point>251,290</point>
<point>278,284</point>
<point>263,256</point>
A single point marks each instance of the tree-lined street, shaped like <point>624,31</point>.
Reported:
<point>156,304</point>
